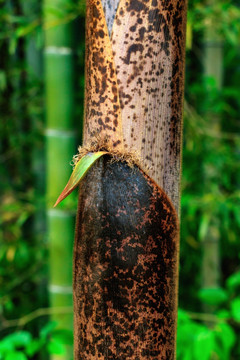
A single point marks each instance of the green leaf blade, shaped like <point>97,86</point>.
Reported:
<point>80,170</point>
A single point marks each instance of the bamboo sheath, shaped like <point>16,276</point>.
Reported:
<point>127,233</point>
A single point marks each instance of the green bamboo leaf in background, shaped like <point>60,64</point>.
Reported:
<point>235,308</point>
<point>213,296</point>
<point>80,170</point>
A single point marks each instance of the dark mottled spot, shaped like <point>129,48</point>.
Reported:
<point>165,47</point>
<point>166,33</point>
<point>114,89</point>
<point>95,12</point>
<point>133,28</point>
<point>136,5</point>
<point>101,33</point>
<point>103,69</point>
<point>142,31</point>
<point>156,18</point>
<point>132,49</point>
<point>116,143</point>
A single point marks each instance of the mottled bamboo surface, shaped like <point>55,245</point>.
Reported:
<point>145,57</point>
<point>125,268</point>
<point>127,230</point>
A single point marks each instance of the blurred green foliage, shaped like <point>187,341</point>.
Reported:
<point>21,345</point>
<point>210,183</point>
<point>212,336</point>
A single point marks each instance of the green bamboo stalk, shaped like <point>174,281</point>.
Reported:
<point>60,146</point>
<point>213,67</point>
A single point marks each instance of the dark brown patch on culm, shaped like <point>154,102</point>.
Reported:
<point>132,49</point>
<point>125,261</point>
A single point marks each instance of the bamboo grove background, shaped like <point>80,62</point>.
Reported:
<point>41,108</point>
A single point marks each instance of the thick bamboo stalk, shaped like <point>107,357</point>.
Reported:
<point>126,240</point>
<point>60,144</point>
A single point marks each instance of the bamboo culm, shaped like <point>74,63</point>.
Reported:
<point>60,145</point>
<point>127,231</point>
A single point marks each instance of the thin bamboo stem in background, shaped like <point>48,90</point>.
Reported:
<point>60,144</point>
<point>213,68</point>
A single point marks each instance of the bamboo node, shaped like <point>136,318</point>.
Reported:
<point>104,144</point>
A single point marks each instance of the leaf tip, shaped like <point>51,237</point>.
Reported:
<point>59,199</point>
<point>80,170</point>
<point>57,202</point>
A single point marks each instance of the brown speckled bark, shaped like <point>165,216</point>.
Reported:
<point>126,244</point>
<point>148,38</point>
<point>102,107</point>
<point>147,52</point>
<point>125,267</point>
